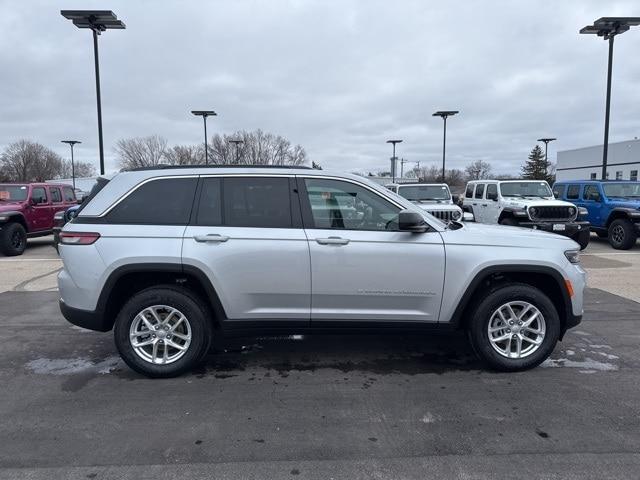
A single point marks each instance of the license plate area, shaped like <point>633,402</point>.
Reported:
<point>559,227</point>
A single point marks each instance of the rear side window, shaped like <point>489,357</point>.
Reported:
<point>257,202</point>
<point>479,190</point>
<point>573,192</point>
<point>210,208</point>
<point>468,193</point>
<point>558,191</point>
<point>68,195</point>
<point>55,194</point>
<point>158,202</point>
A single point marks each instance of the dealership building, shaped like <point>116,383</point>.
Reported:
<point>623,162</point>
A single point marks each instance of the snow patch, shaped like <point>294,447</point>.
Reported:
<point>70,366</point>
<point>428,418</point>
<point>586,364</point>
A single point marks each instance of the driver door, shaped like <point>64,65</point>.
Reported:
<point>362,267</point>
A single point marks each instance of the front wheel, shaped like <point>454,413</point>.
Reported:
<point>515,327</point>
<point>622,234</point>
<point>582,238</point>
<point>163,331</point>
<point>13,239</point>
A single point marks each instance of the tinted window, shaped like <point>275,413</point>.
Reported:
<point>343,205</point>
<point>210,209</point>
<point>479,190</point>
<point>591,193</point>
<point>492,189</point>
<point>13,192</point>
<point>55,194</point>
<point>39,195</point>
<point>257,202</point>
<point>67,193</point>
<point>633,175</point>
<point>558,191</point>
<point>158,202</point>
<point>468,193</point>
<point>593,176</point>
<point>573,192</point>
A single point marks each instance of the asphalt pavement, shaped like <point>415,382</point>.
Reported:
<point>350,407</point>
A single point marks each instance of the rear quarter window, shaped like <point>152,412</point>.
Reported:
<point>166,201</point>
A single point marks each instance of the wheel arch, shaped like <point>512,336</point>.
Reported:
<point>16,216</point>
<point>617,214</point>
<point>129,279</point>
<point>547,279</point>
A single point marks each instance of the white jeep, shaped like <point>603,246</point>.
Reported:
<point>525,203</point>
<point>433,198</point>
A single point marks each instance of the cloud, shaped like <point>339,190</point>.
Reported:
<point>340,78</point>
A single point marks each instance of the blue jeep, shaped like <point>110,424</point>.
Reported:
<point>613,205</point>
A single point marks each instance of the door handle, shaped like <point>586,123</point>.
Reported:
<point>332,241</point>
<point>484,204</point>
<point>211,237</point>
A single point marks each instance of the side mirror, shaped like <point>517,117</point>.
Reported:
<point>34,201</point>
<point>468,217</point>
<point>410,221</point>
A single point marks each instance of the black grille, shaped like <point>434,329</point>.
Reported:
<point>552,213</point>
<point>445,215</point>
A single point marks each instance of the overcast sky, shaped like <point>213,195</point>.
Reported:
<point>338,77</point>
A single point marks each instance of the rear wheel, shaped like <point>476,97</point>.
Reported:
<point>163,331</point>
<point>582,238</point>
<point>622,235</point>
<point>514,327</point>
<point>13,239</point>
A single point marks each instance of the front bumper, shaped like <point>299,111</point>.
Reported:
<point>568,229</point>
<point>89,319</point>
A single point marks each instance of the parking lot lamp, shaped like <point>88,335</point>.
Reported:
<point>444,114</point>
<point>393,159</point>
<point>204,114</point>
<point>237,142</point>
<point>97,21</point>
<point>71,143</point>
<point>608,28</point>
<point>546,146</point>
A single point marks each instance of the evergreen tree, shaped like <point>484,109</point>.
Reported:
<point>537,166</point>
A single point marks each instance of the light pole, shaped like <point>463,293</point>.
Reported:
<point>608,28</point>
<point>71,143</point>
<point>204,114</point>
<point>546,146</point>
<point>97,21</point>
<point>393,159</point>
<point>444,114</point>
<point>236,142</point>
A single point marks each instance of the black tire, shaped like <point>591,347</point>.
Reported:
<point>13,239</point>
<point>582,238</point>
<point>482,312</point>
<point>191,306</point>
<point>622,234</point>
<point>510,221</point>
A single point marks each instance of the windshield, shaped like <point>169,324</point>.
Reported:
<point>625,190</point>
<point>13,193</point>
<point>525,189</point>
<point>417,193</point>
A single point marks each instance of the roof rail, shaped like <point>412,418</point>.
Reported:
<point>169,167</point>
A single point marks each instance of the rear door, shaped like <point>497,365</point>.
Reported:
<point>362,267</point>
<point>57,203</point>
<point>247,236</point>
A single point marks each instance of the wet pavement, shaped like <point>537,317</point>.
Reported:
<point>318,406</point>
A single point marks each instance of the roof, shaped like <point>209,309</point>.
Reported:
<point>168,167</point>
<point>596,181</point>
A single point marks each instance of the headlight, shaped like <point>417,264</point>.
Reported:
<point>456,215</point>
<point>533,211</point>
<point>573,256</point>
<point>3,218</point>
<point>59,215</point>
<point>583,212</point>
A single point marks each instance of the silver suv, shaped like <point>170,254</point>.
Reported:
<point>170,258</point>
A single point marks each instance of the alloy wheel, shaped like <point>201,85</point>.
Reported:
<point>516,329</point>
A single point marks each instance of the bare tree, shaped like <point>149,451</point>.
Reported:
<point>141,151</point>
<point>454,177</point>
<point>185,155</point>
<point>478,170</point>
<point>430,174</point>
<point>81,169</point>
<point>27,161</point>
<point>256,148</point>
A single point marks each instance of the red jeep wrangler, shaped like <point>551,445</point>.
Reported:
<point>27,210</point>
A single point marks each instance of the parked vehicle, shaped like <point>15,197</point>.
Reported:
<point>526,203</point>
<point>613,207</point>
<point>27,210</point>
<point>60,219</point>
<point>434,198</point>
<point>170,258</point>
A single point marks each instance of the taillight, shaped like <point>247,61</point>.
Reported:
<point>78,238</point>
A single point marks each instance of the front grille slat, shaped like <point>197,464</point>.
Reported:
<point>552,213</point>
<point>444,215</point>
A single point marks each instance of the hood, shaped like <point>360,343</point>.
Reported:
<point>537,202</point>
<point>6,206</point>
<point>501,235</point>
<point>634,204</point>
<point>436,207</point>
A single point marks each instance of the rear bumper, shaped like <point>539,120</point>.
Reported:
<point>89,319</point>
<point>570,228</point>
